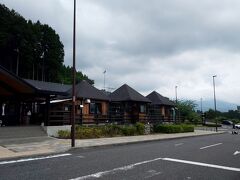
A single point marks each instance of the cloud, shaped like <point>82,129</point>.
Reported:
<point>150,45</point>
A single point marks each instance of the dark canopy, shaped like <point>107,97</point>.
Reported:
<point>49,87</point>
<point>158,99</point>
<point>84,90</point>
<point>126,93</point>
<point>10,84</point>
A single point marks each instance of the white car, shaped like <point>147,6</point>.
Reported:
<point>237,126</point>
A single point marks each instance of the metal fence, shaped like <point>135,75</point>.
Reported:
<point>64,117</point>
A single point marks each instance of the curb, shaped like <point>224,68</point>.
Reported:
<point>137,142</point>
<point>70,149</point>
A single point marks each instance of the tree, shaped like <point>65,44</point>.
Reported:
<point>32,49</point>
<point>187,111</point>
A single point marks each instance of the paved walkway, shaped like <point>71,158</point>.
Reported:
<point>40,145</point>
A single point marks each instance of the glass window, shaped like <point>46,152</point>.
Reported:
<point>142,108</point>
<point>92,108</point>
<point>95,108</point>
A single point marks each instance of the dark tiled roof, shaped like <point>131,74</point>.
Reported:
<point>158,99</point>
<point>13,84</point>
<point>86,90</point>
<point>126,93</point>
<point>48,87</point>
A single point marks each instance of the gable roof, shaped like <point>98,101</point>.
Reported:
<point>158,99</point>
<point>49,87</point>
<point>126,93</point>
<point>86,90</point>
<point>11,84</point>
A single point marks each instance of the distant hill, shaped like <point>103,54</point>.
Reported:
<point>222,106</point>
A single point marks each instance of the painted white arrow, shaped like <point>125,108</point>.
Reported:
<point>237,152</point>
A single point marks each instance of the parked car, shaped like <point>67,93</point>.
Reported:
<point>237,126</point>
<point>227,122</point>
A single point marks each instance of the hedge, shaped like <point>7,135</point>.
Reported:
<point>83,132</point>
<point>170,128</point>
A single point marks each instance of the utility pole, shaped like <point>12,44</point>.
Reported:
<point>17,64</point>
<point>202,112</point>
<point>215,105</point>
<point>176,105</point>
<point>176,93</point>
<point>104,72</point>
<point>74,78</point>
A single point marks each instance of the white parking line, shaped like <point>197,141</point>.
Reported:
<point>202,164</point>
<point>131,166</point>
<point>210,146</point>
<point>179,144</point>
<point>33,159</point>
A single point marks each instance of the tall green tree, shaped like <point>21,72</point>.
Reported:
<point>34,50</point>
<point>186,108</point>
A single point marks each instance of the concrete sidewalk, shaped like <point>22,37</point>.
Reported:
<point>53,145</point>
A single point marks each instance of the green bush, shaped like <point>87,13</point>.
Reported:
<point>64,134</point>
<point>89,132</point>
<point>170,128</point>
<point>83,132</point>
<point>112,130</point>
<point>129,130</point>
<point>140,128</point>
<point>187,128</point>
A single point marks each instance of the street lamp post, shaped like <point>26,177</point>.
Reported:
<point>202,112</point>
<point>215,106</point>
<point>176,104</point>
<point>74,78</point>
<point>104,72</point>
<point>176,93</point>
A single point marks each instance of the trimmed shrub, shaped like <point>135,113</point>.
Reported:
<point>64,134</point>
<point>140,128</point>
<point>88,132</point>
<point>83,132</point>
<point>129,130</point>
<point>170,128</point>
<point>187,128</point>
<point>112,130</point>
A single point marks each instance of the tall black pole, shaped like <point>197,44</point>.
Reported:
<point>17,62</point>
<point>104,72</point>
<point>176,105</point>
<point>215,106</point>
<point>176,93</point>
<point>74,78</point>
<point>202,112</point>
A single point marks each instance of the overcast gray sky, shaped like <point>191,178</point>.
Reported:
<point>150,44</point>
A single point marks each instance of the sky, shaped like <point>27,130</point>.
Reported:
<point>149,45</point>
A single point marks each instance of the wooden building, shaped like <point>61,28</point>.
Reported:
<point>128,105</point>
<point>161,108</point>
<point>91,106</point>
<point>20,99</point>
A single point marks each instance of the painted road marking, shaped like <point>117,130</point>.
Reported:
<point>236,152</point>
<point>179,144</point>
<point>210,146</point>
<point>34,159</point>
<point>131,166</point>
<point>202,164</point>
<point>81,157</point>
<point>123,168</point>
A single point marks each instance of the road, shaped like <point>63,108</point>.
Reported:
<point>206,157</point>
